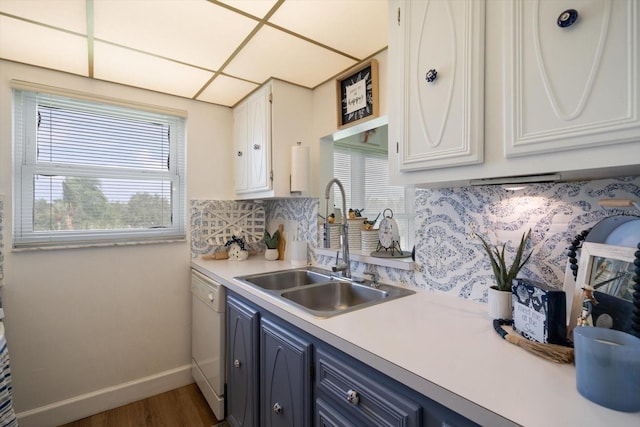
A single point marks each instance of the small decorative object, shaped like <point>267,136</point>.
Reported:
<point>237,251</point>
<point>357,94</point>
<point>504,275</point>
<point>567,18</point>
<point>389,238</point>
<point>608,367</point>
<point>553,352</point>
<point>388,232</point>
<point>539,312</point>
<point>271,240</point>
<point>588,301</point>
<point>606,289</point>
<point>282,244</point>
<point>431,76</point>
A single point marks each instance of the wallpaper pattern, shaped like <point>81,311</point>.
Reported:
<point>449,258</point>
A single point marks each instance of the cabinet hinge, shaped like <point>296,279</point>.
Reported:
<point>397,147</point>
<point>271,97</point>
<point>271,176</point>
<point>398,16</point>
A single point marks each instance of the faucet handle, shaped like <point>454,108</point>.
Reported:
<point>374,277</point>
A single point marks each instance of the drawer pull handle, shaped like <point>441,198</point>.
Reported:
<point>256,146</point>
<point>239,153</point>
<point>353,397</point>
<point>567,18</point>
<point>277,408</point>
<point>236,363</point>
<point>431,76</point>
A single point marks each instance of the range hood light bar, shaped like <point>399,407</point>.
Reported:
<point>528,179</point>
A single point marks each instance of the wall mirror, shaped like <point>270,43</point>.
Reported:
<point>359,159</point>
<point>609,271</point>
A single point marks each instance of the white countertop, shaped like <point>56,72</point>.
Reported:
<point>445,348</point>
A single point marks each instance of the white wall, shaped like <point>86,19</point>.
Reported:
<point>81,321</point>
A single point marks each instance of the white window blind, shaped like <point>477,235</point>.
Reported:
<point>365,177</point>
<point>95,173</point>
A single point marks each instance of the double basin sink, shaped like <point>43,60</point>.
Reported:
<point>321,294</point>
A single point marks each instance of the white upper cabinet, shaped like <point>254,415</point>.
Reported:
<point>266,125</point>
<point>572,74</point>
<point>516,94</point>
<point>252,128</point>
<point>438,57</point>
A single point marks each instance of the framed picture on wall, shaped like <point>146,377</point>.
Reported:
<point>357,94</point>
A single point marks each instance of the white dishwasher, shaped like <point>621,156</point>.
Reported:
<point>208,340</point>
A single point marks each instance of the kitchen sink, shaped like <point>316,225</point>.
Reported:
<point>319,293</point>
<point>286,279</point>
<point>334,296</point>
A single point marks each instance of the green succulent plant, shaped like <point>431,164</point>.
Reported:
<point>504,275</point>
<point>271,240</point>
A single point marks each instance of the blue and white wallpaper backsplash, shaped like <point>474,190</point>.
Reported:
<point>449,258</point>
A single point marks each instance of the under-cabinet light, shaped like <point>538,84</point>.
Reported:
<point>516,180</point>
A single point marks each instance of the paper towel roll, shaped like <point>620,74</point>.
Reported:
<point>299,168</point>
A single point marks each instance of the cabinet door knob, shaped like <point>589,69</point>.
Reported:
<point>353,397</point>
<point>567,18</point>
<point>432,74</point>
<point>236,363</point>
<point>239,153</point>
<point>256,146</point>
<point>277,408</point>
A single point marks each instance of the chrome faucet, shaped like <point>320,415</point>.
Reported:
<point>344,266</point>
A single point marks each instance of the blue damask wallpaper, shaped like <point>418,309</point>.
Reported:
<point>450,259</point>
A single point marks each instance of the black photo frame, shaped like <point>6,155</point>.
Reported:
<point>357,94</point>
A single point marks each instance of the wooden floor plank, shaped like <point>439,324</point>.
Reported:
<point>184,406</point>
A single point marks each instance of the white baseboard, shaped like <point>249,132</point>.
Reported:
<point>98,401</point>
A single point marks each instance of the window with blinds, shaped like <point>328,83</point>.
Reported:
<point>365,178</point>
<point>95,173</point>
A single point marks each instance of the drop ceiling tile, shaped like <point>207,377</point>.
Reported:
<point>116,64</point>
<point>273,53</point>
<point>226,90</point>
<point>69,15</point>
<point>195,32</point>
<point>258,8</point>
<point>33,44</point>
<point>355,27</point>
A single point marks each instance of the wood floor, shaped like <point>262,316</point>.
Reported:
<point>184,406</point>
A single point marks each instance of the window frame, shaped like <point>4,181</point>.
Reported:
<point>26,167</point>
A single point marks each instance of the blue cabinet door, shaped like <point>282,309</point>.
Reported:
<point>242,363</point>
<point>285,369</point>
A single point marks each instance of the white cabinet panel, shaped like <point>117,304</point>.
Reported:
<point>441,120</point>
<point>575,86</point>
<point>252,136</point>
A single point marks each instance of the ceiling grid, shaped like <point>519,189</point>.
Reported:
<point>215,51</point>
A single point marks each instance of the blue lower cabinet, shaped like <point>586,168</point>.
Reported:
<point>285,372</point>
<point>279,375</point>
<point>361,395</point>
<point>243,321</point>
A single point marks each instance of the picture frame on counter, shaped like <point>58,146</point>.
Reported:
<point>357,94</point>
<point>607,271</point>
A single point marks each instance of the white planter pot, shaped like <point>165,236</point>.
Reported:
<point>271,254</point>
<point>500,305</point>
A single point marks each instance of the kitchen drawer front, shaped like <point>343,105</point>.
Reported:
<point>362,394</point>
<point>328,416</point>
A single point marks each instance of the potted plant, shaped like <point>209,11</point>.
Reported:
<point>271,240</point>
<point>499,297</point>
